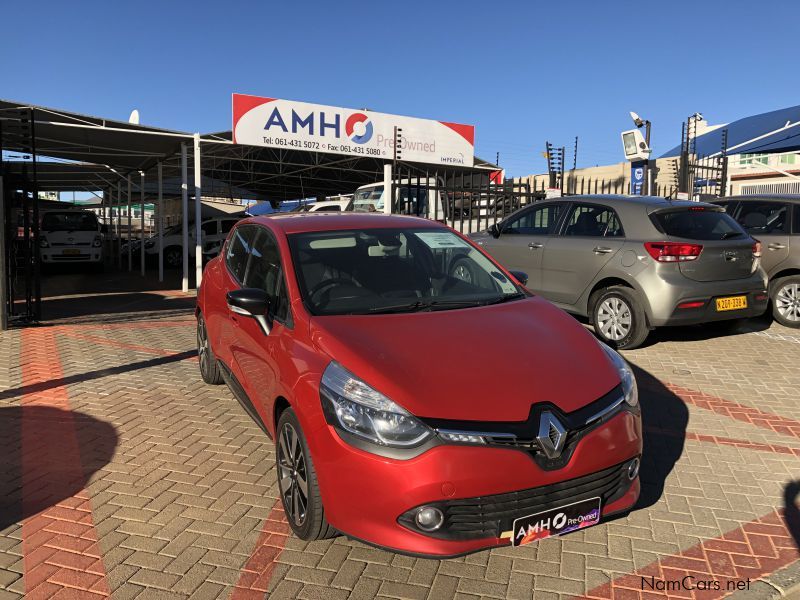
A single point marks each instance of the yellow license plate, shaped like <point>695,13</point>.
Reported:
<point>731,303</point>
<point>71,251</point>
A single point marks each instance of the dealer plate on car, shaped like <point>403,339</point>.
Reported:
<point>556,521</point>
<point>71,251</point>
<point>731,303</point>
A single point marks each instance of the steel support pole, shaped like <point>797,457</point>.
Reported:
<point>160,221</point>
<point>185,218</point>
<point>130,228</point>
<point>198,199</point>
<point>141,220</point>
<point>119,225</point>
<point>3,260</point>
<point>388,196</point>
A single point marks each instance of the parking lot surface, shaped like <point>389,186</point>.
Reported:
<point>122,474</point>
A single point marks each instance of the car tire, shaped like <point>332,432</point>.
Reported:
<point>461,269</point>
<point>209,367</point>
<point>785,298</point>
<point>292,462</point>
<point>618,317</point>
<point>173,257</point>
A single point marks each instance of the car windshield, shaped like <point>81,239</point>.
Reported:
<point>69,221</point>
<point>698,223</point>
<point>377,271</point>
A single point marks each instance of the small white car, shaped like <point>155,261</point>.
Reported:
<point>339,205</point>
<point>70,236</point>
<point>213,231</point>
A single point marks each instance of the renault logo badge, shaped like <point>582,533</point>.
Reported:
<point>552,435</point>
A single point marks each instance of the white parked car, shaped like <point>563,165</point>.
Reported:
<point>339,205</point>
<point>213,232</point>
<point>70,236</point>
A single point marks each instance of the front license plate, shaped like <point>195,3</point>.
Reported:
<point>556,521</point>
<point>731,303</point>
<point>70,251</point>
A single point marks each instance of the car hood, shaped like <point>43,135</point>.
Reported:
<point>486,363</point>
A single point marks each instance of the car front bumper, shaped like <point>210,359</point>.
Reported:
<point>366,496</point>
<point>80,254</point>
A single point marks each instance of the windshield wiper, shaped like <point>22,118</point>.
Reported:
<point>505,298</point>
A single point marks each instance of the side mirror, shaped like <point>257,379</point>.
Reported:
<point>253,303</point>
<point>495,230</point>
<point>520,276</point>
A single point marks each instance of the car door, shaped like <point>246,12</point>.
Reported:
<point>237,255</point>
<point>768,222</point>
<point>523,237</point>
<point>590,236</point>
<point>256,353</point>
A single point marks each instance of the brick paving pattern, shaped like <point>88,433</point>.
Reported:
<point>121,473</point>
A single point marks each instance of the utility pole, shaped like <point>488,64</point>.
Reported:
<point>575,155</point>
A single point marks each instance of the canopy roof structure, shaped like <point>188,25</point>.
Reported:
<point>105,150</point>
<point>775,131</point>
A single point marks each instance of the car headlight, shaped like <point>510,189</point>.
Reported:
<point>353,406</point>
<point>149,244</point>
<point>43,243</point>
<point>626,376</point>
<point>97,242</point>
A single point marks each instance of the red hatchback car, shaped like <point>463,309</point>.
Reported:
<point>421,399</point>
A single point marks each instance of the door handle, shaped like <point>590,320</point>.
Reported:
<point>602,250</point>
<point>535,246</point>
<point>776,246</point>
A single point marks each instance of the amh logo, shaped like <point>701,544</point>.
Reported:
<point>358,128</point>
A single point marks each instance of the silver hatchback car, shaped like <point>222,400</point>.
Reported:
<point>633,263</point>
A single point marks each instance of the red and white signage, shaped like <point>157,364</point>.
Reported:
<point>316,128</point>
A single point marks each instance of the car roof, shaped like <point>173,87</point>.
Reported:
<point>336,221</point>
<point>612,199</point>
<point>783,197</point>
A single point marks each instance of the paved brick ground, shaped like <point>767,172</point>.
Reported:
<point>122,474</point>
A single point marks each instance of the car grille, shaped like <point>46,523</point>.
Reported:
<point>489,516</point>
<point>71,244</point>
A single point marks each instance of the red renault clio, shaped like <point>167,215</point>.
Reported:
<point>421,399</point>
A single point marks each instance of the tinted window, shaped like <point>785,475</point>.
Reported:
<point>536,221</point>
<point>729,207</point>
<point>331,208</point>
<point>209,227</point>
<point>69,221</point>
<point>697,224</point>
<point>764,217</point>
<point>228,224</point>
<point>237,250</point>
<point>265,273</point>
<point>796,229</point>
<point>593,221</point>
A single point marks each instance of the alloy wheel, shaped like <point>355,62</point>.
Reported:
<point>463,273</point>
<point>787,302</point>
<point>614,318</point>
<point>292,475</point>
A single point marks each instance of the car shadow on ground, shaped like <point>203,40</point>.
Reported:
<point>47,455</point>
<point>791,510</point>
<point>665,418</point>
<point>707,331</point>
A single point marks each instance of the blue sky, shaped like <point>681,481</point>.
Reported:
<point>522,72</point>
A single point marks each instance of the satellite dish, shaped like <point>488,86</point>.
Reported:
<point>134,118</point>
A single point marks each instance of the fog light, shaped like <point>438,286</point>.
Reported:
<point>429,518</point>
<point>633,469</point>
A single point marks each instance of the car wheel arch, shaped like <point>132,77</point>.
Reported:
<point>280,405</point>
<point>781,274</point>
<point>606,282</point>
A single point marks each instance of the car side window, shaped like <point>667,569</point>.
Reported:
<point>209,227</point>
<point>237,250</point>
<point>331,208</point>
<point>588,220</point>
<point>796,229</point>
<point>540,220</point>
<point>265,273</point>
<point>227,225</point>
<point>764,217</point>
